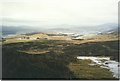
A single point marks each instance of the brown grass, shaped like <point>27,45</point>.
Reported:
<point>35,51</point>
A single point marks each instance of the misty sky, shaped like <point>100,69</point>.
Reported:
<point>51,13</point>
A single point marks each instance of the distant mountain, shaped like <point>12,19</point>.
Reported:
<point>104,28</point>
<point>113,31</point>
<point>11,30</point>
<point>8,30</point>
<point>85,29</point>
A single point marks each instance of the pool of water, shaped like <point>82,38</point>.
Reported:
<point>104,62</point>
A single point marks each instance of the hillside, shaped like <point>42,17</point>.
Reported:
<point>55,59</point>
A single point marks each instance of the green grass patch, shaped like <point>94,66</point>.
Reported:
<point>82,69</point>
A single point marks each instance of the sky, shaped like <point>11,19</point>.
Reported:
<point>52,13</point>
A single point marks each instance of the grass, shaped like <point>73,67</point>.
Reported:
<point>95,49</point>
<point>35,51</point>
<point>8,41</point>
<point>82,69</point>
<point>59,62</point>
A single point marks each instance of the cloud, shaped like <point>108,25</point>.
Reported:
<point>56,12</point>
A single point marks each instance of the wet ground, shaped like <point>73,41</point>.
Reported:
<point>104,62</point>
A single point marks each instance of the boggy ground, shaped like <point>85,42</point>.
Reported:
<point>52,59</point>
